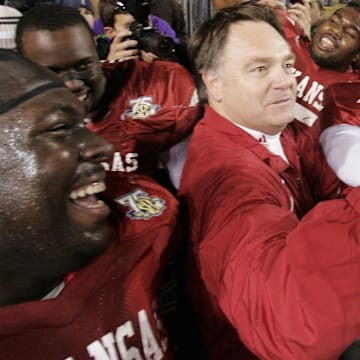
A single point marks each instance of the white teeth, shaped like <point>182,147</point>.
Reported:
<point>327,43</point>
<point>88,190</point>
<point>82,97</point>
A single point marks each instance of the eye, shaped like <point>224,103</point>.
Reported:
<point>60,129</point>
<point>84,66</point>
<point>259,69</point>
<point>351,32</point>
<point>333,20</point>
<point>289,67</point>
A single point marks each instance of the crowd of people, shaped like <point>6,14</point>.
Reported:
<point>197,199</point>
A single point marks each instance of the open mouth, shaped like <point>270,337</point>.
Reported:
<point>327,43</point>
<point>85,199</point>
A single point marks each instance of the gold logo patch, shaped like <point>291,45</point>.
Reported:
<point>142,205</point>
<point>142,107</point>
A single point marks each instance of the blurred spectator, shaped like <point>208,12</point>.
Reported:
<point>107,19</point>
<point>84,6</point>
<point>173,13</point>
<point>9,18</point>
<point>124,23</point>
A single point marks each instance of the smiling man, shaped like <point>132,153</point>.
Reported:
<point>141,108</point>
<point>73,286</point>
<point>332,56</point>
<point>55,164</point>
<point>272,270</point>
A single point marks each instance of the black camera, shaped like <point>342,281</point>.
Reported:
<point>151,40</point>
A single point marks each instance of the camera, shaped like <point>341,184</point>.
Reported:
<point>151,40</point>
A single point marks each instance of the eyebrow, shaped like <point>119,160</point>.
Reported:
<point>83,61</point>
<point>10,104</point>
<point>347,24</point>
<point>290,56</point>
<point>59,109</point>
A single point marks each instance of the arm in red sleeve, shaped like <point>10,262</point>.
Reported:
<point>291,289</point>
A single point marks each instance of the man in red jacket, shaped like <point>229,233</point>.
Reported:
<point>271,267</point>
<point>329,55</point>
<point>72,286</point>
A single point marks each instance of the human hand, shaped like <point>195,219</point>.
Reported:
<point>148,56</point>
<point>122,48</point>
<point>300,13</point>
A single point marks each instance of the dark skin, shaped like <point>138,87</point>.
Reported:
<point>336,42</point>
<point>46,156</point>
<point>71,54</point>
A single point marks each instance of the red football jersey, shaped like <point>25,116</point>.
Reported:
<point>147,108</point>
<point>109,310</point>
<point>342,104</point>
<point>312,82</point>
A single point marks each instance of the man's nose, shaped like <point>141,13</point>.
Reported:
<point>74,84</point>
<point>337,30</point>
<point>282,78</point>
<point>93,147</point>
<point>71,80</point>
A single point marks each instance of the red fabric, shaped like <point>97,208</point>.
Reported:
<point>111,302</point>
<point>342,104</point>
<point>289,286</point>
<point>168,111</point>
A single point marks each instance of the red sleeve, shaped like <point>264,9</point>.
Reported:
<point>158,102</point>
<point>321,178</point>
<point>179,111</point>
<point>291,289</point>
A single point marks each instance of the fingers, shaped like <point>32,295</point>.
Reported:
<point>119,51</point>
<point>148,56</point>
<point>300,13</point>
<point>122,48</point>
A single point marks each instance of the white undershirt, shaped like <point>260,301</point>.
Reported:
<point>271,142</point>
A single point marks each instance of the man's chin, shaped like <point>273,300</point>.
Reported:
<point>92,244</point>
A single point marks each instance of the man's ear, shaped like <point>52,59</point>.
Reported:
<point>109,32</point>
<point>213,84</point>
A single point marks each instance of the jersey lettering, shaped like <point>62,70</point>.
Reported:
<point>104,350</point>
<point>151,347</point>
<point>113,347</point>
<point>314,92</point>
<point>310,91</point>
<point>122,332</point>
<point>123,163</point>
<point>312,95</point>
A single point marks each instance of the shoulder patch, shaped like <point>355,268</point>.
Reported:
<point>142,107</point>
<point>141,205</point>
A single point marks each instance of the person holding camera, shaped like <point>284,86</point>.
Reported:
<point>121,21</point>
